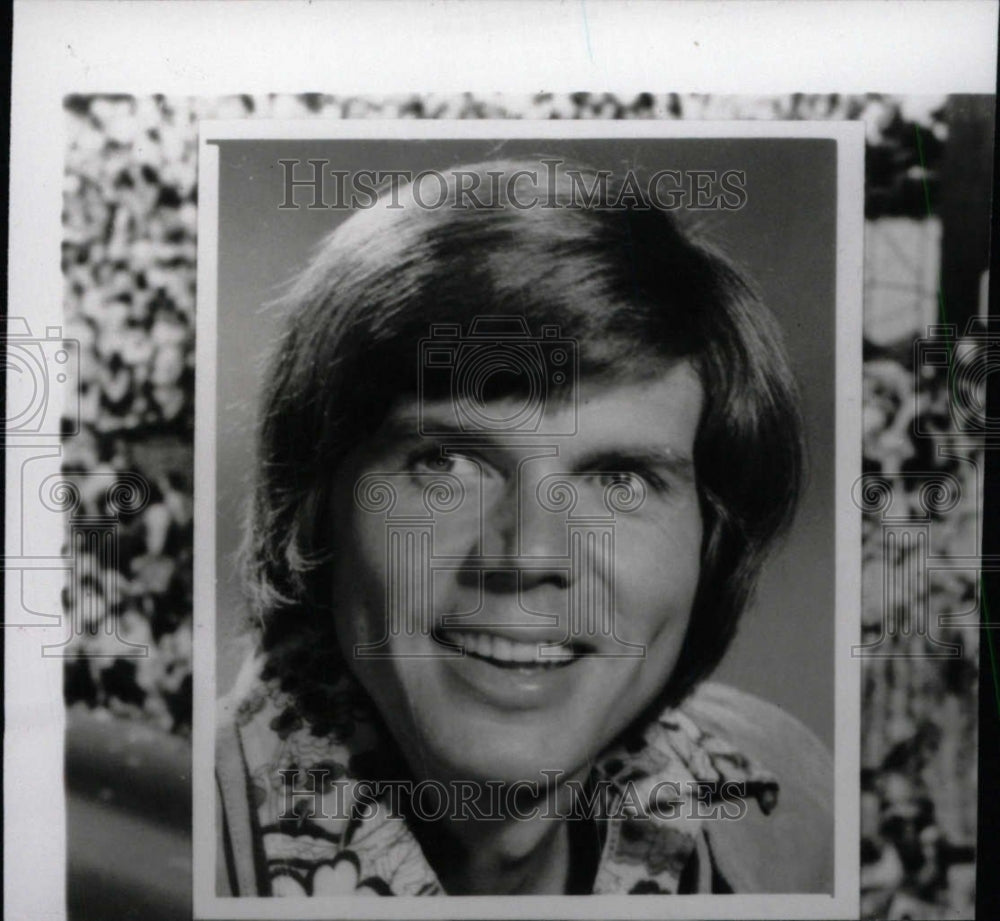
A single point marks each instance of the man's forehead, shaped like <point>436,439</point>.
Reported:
<point>660,413</point>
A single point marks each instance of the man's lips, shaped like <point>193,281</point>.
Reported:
<point>514,647</point>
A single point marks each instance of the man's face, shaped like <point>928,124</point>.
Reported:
<point>522,598</point>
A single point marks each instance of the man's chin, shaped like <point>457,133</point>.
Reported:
<point>505,759</point>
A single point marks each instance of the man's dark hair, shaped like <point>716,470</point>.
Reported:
<point>634,289</point>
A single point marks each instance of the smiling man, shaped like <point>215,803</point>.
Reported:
<point>518,470</point>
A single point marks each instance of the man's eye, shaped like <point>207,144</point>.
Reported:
<point>434,461</point>
<point>634,480</point>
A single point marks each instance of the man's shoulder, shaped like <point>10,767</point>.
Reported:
<point>790,850</point>
<point>242,741</point>
<point>764,730</point>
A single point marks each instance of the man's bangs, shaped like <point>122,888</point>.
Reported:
<point>484,351</point>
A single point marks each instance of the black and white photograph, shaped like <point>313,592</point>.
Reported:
<point>510,423</point>
<point>474,463</point>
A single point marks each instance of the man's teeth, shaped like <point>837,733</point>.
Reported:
<point>501,649</point>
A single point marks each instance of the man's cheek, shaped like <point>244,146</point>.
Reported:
<point>650,609</point>
<point>460,533</point>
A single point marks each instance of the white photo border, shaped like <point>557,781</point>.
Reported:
<point>844,902</point>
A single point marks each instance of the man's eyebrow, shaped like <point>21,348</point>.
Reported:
<point>404,424</point>
<point>411,427</point>
<point>625,459</point>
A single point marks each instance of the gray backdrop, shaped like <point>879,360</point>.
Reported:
<point>785,237</point>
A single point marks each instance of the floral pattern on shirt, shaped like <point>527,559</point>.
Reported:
<point>324,833</point>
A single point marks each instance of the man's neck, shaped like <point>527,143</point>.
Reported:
<point>524,854</point>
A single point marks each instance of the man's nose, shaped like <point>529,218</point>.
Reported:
<point>528,541</point>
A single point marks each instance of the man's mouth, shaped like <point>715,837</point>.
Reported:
<point>513,654</point>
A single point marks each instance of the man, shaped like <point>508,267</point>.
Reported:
<point>518,469</point>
